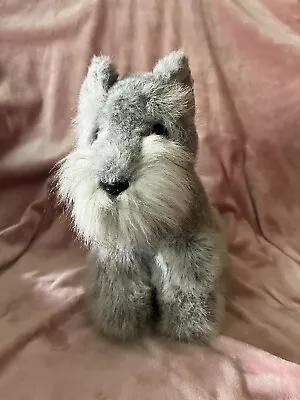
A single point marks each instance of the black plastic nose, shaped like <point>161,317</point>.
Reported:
<point>115,188</point>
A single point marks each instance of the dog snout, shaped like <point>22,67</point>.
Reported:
<point>115,188</point>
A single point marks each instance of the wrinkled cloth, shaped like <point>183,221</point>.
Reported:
<point>245,60</point>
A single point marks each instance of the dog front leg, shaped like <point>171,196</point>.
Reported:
<point>118,296</point>
<point>189,283</point>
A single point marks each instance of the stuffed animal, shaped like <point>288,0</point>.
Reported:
<point>157,251</point>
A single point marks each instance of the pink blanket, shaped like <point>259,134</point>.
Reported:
<point>245,58</point>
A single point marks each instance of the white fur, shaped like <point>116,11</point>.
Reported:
<point>158,200</point>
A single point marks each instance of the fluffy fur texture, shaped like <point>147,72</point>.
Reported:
<point>157,251</point>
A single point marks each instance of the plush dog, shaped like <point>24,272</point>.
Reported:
<point>157,249</point>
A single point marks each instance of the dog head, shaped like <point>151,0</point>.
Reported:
<point>130,177</point>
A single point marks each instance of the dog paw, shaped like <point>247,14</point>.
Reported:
<point>185,318</point>
<point>121,319</point>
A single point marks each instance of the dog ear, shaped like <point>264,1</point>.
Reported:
<point>101,74</point>
<point>100,77</point>
<point>174,67</point>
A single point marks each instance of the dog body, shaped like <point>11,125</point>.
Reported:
<point>157,248</point>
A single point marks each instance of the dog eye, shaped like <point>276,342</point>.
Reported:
<point>160,130</point>
<point>95,135</point>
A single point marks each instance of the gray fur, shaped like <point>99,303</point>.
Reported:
<point>157,250</point>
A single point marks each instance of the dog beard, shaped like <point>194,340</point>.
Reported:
<point>157,203</point>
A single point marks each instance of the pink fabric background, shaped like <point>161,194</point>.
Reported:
<point>246,68</point>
